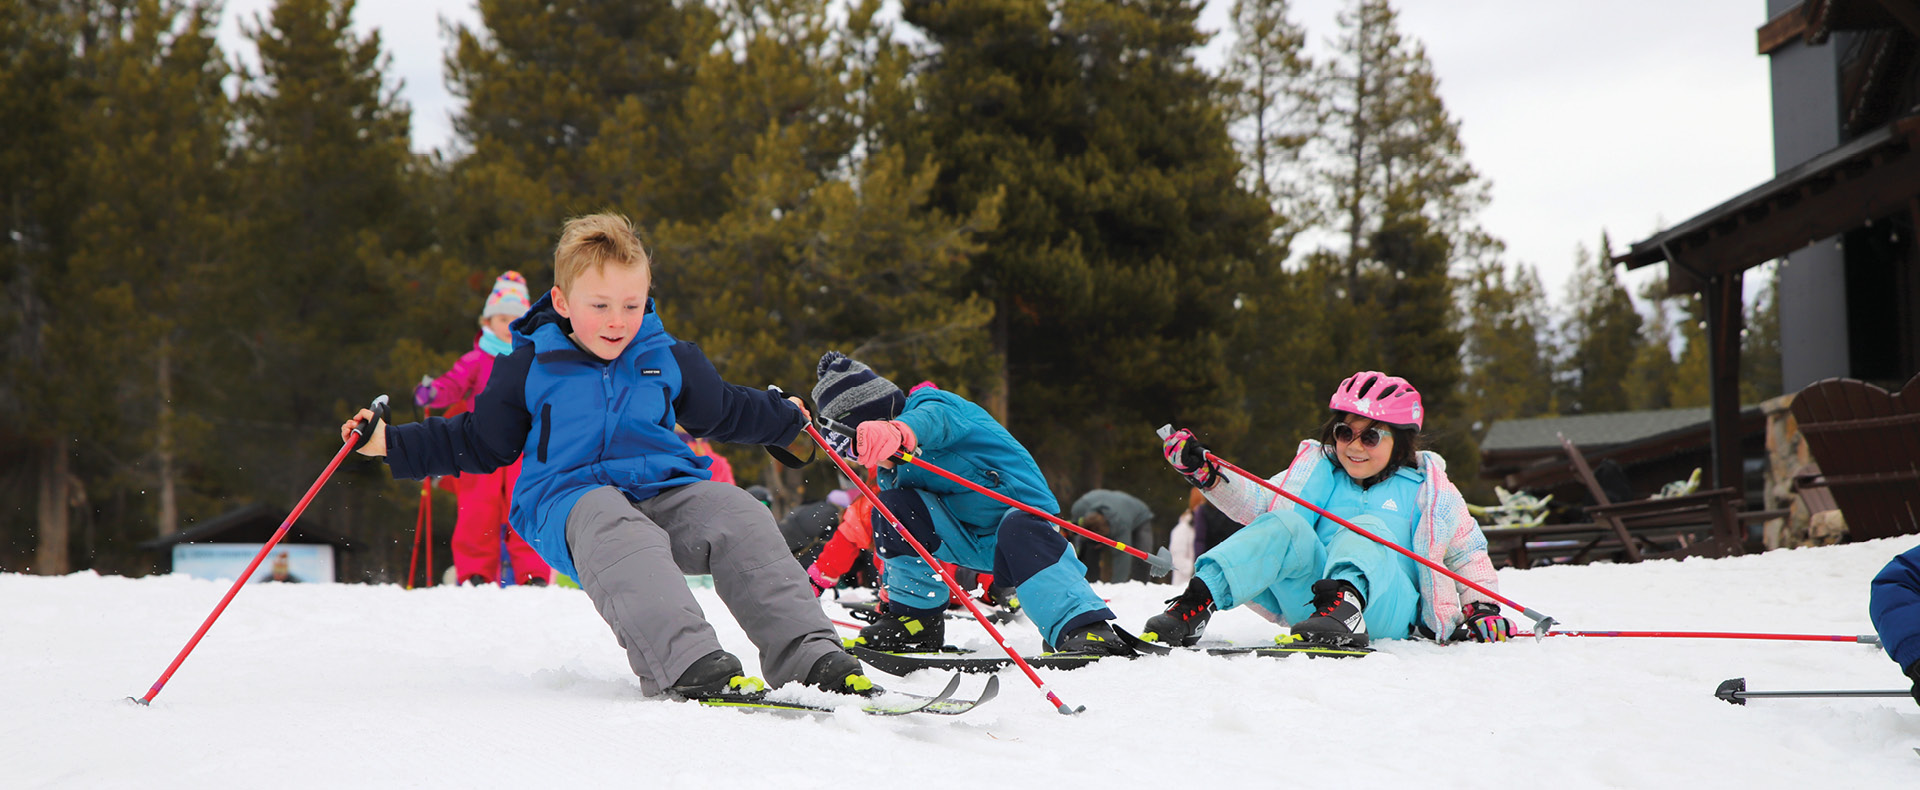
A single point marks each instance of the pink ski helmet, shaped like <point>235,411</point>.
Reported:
<point>1378,396</point>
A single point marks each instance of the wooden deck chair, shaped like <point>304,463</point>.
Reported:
<point>1866,442</point>
<point>1681,519</point>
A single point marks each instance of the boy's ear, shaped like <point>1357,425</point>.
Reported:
<point>560,303</point>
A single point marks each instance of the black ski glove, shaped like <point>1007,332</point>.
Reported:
<point>1913,671</point>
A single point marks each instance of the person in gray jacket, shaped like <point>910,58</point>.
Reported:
<point>1118,515</point>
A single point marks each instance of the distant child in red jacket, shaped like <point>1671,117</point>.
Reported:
<point>485,498</point>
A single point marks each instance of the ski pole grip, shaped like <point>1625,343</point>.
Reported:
<point>1165,431</point>
<point>364,431</point>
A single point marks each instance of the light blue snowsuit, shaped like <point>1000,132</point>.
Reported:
<point>1274,561</point>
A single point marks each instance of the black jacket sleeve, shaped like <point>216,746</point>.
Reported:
<point>487,438</point>
<point>713,409</point>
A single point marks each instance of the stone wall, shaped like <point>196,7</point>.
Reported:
<point>1787,456</point>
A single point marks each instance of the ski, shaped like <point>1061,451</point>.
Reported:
<point>1283,646</point>
<point>941,704</point>
<point>903,664</point>
<point>955,707</point>
<point>954,659</point>
<point>868,610</point>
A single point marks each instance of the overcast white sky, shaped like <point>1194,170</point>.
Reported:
<point>1628,115</point>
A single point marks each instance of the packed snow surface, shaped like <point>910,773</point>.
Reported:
<point>349,685</point>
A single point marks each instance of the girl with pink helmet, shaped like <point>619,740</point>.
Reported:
<point>1332,585</point>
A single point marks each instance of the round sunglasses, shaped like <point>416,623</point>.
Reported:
<point>1369,438</point>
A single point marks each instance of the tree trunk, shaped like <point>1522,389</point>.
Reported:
<point>53,525</point>
<point>997,398</point>
<point>169,520</point>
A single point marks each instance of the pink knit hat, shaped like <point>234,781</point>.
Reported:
<point>509,297</point>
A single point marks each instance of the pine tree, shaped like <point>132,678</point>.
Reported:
<point>1602,336</point>
<point>824,242</point>
<point>1276,107</point>
<point>1418,323</point>
<point>1390,147</point>
<point>1649,383</point>
<point>150,233</point>
<point>542,82</point>
<point>41,92</point>
<point>1692,384</point>
<point>328,178</point>
<point>1124,227</point>
<point>1760,376</point>
<point>1509,358</point>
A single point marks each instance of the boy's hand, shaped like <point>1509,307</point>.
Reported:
<point>374,446</point>
<point>802,406</point>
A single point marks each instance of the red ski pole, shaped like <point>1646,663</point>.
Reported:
<point>1541,623</point>
<point>1863,639</point>
<point>360,435</point>
<point>423,528</point>
<point>1160,564</point>
<point>952,586</point>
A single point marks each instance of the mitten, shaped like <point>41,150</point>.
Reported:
<point>819,580</point>
<point>878,440</point>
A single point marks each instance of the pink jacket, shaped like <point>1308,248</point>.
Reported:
<point>467,379</point>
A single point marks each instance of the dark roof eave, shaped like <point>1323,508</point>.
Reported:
<point>1653,249</point>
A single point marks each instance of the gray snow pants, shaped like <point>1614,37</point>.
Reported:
<point>633,559</point>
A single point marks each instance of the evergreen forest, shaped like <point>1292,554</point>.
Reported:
<point>1050,207</point>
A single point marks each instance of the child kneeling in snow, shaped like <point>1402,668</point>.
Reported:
<point>1335,586</point>
<point>610,496</point>
<point>952,522</point>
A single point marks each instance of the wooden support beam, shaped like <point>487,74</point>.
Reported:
<point>1783,29</point>
<point>1725,319</point>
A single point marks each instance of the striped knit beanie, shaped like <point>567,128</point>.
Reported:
<point>509,297</point>
<point>851,393</point>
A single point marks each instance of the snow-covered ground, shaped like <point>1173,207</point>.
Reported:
<point>364,686</point>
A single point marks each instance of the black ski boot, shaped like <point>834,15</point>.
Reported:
<point>1096,638</point>
<point>1185,618</point>
<point>1338,616</point>
<point>717,675</point>
<point>840,673</point>
<point>902,630</point>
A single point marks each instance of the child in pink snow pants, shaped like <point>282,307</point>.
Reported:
<point>485,498</point>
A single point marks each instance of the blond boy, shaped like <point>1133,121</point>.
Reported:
<point>609,495</point>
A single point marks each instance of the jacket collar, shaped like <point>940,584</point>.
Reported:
<point>544,328</point>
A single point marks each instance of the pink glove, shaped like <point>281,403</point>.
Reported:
<point>877,440</point>
<point>820,581</point>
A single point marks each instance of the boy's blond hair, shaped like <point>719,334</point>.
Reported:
<point>594,241</point>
